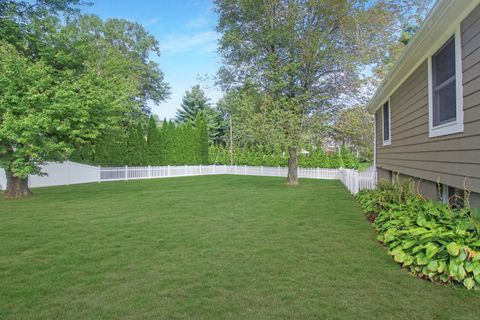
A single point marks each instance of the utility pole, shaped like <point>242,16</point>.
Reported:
<point>231,141</point>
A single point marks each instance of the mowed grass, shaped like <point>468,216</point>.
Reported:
<point>212,247</point>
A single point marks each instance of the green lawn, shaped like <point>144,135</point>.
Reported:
<point>212,247</point>
<point>364,166</point>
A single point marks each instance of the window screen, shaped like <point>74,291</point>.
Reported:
<point>444,86</point>
<point>386,121</point>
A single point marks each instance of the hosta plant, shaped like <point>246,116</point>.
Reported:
<point>430,239</point>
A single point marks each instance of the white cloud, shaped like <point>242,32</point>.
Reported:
<point>201,42</point>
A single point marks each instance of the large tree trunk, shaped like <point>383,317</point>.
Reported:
<point>16,187</point>
<point>292,178</point>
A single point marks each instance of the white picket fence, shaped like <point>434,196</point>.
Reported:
<point>132,173</point>
<point>357,180</point>
<point>72,173</point>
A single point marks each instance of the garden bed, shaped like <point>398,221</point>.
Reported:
<point>432,240</point>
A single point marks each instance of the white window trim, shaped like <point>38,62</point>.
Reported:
<point>457,125</point>
<point>389,141</point>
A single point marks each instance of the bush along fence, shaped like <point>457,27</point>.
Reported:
<point>170,143</point>
<point>72,173</point>
<point>273,157</point>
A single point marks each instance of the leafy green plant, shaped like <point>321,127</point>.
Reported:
<point>260,156</point>
<point>430,239</point>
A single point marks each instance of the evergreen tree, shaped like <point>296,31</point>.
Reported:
<point>136,147</point>
<point>111,149</point>
<point>216,126</point>
<point>193,103</point>
<point>170,143</point>
<point>201,126</point>
<point>153,143</point>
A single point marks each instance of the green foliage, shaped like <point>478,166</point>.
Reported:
<point>137,152</point>
<point>68,83</point>
<point>46,112</point>
<point>154,143</point>
<point>430,239</point>
<point>302,57</point>
<point>274,157</point>
<point>354,127</point>
<point>202,131</point>
<point>194,104</point>
<point>146,144</point>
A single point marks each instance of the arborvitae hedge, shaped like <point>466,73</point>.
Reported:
<point>187,144</point>
<point>202,133</point>
<point>273,158</point>
<point>145,145</point>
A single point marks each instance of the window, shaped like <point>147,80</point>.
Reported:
<point>386,124</point>
<point>445,90</point>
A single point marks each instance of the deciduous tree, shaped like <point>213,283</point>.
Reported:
<point>65,81</point>
<point>305,56</point>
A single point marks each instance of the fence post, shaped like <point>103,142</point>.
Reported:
<point>126,173</point>
<point>261,170</point>
<point>149,172</point>
<point>185,169</point>
<point>245,171</point>
<point>168,171</point>
<point>235,169</point>
<point>213,169</point>
<point>99,174</point>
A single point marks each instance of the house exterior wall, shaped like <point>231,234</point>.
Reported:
<point>452,159</point>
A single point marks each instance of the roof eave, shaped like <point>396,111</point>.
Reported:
<point>445,13</point>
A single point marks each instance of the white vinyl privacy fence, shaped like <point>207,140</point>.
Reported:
<point>72,173</point>
<point>59,174</point>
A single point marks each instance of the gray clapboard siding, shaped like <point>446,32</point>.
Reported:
<point>472,73</point>
<point>471,19</point>
<point>471,59</point>
<point>449,159</point>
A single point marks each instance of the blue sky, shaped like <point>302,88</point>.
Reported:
<point>186,32</point>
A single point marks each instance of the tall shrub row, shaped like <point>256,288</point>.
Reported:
<point>275,157</point>
<point>142,145</point>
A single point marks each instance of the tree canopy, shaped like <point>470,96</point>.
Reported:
<point>305,58</point>
<point>65,81</point>
<point>195,103</point>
